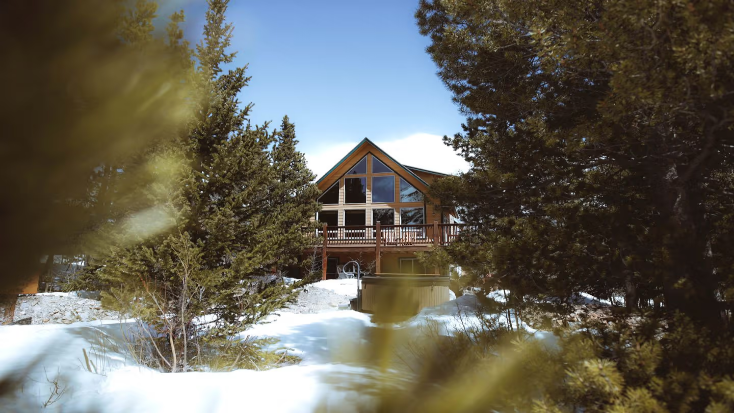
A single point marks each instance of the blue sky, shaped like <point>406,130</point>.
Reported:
<point>342,71</point>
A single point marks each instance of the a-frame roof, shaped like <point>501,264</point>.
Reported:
<point>362,148</point>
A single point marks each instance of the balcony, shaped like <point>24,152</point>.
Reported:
<point>387,236</point>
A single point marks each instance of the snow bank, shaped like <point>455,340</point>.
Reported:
<point>465,313</point>
<point>332,346</point>
<point>316,338</point>
<point>346,287</point>
<point>42,354</point>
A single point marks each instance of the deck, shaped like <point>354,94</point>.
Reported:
<point>387,236</point>
<point>377,238</point>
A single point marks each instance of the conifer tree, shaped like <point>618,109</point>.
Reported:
<point>600,138</point>
<point>88,68</point>
<point>236,213</point>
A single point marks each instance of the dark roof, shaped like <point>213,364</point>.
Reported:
<point>365,140</point>
<point>425,170</point>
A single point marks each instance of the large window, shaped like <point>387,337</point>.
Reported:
<point>383,189</point>
<point>330,218</point>
<point>411,216</point>
<point>379,167</point>
<point>331,196</point>
<point>355,190</point>
<point>354,217</point>
<point>360,168</point>
<point>383,216</point>
<point>408,193</point>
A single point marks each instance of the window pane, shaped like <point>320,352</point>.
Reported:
<point>330,218</point>
<point>354,217</point>
<point>378,166</point>
<point>359,168</point>
<point>410,216</point>
<point>410,266</point>
<point>383,189</point>
<point>383,216</point>
<point>355,190</point>
<point>331,196</point>
<point>408,193</point>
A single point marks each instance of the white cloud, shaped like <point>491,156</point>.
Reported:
<point>421,150</point>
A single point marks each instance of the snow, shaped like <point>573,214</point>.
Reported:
<point>316,337</point>
<point>347,287</point>
<point>584,298</point>
<point>125,386</point>
<point>333,346</point>
<point>56,294</point>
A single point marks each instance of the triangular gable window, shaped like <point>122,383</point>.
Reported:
<point>331,196</point>
<point>360,168</point>
<point>378,166</point>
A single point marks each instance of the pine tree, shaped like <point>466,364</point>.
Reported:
<point>79,67</point>
<point>600,141</point>
<point>600,138</point>
<point>235,214</point>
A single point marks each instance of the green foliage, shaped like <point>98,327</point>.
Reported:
<point>225,215</point>
<point>599,135</point>
<point>600,139</point>
<point>102,84</point>
<point>626,366</point>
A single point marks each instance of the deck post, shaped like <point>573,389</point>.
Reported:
<point>378,239</point>
<point>323,254</point>
<point>436,236</point>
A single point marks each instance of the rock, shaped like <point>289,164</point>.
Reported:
<point>22,321</point>
<point>66,309</point>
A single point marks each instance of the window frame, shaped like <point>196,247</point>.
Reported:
<point>400,191</point>
<point>389,170</point>
<point>364,186</point>
<point>413,207</point>
<point>374,222</point>
<point>346,211</point>
<point>318,216</point>
<point>337,184</point>
<point>366,169</point>
<point>414,261</point>
<point>392,192</point>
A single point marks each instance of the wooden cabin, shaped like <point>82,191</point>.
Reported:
<point>375,210</point>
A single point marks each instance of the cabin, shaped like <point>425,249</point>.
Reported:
<point>376,211</point>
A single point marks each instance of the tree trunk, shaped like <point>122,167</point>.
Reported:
<point>630,296</point>
<point>689,286</point>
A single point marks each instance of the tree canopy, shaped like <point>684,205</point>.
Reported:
<point>600,136</point>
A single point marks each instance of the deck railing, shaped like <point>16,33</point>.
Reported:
<point>388,235</point>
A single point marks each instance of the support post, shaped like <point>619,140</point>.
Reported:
<point>323,253</point>
<point>378,241</point>
<point>436,236</point>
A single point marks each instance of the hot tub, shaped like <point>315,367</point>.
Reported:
<point>403,294</point>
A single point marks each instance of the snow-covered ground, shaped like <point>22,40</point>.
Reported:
<point>323,296</point>
<point>332,344</point>
<point>43,354</point>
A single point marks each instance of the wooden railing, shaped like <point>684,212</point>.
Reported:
<point>388,235</point>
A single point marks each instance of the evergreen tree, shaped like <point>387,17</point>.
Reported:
<point>600,139</point>
<point>76,77</point>
<point>235,211</point>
